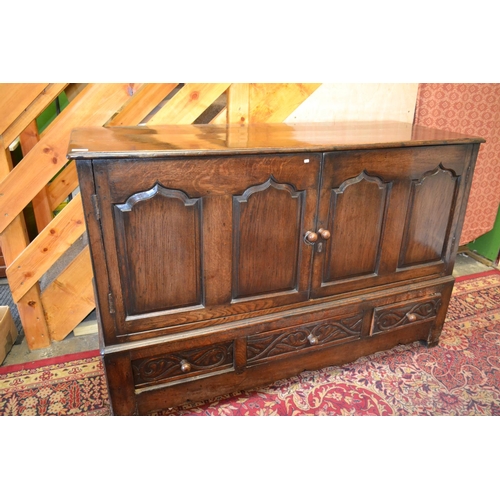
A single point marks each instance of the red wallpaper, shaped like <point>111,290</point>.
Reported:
<point>469,108</point>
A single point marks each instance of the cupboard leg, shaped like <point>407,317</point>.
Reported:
<point>435,333</point>
<point>120,384</point>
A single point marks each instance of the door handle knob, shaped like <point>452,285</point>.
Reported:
<point>324,233</point>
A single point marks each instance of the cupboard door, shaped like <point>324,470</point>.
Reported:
<point>390,214</point>
<point>199,238</point>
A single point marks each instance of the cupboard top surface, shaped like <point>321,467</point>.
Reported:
<point>189,140</point>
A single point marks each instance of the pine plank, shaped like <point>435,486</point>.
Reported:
<point>32,111</point>
<point>73,89</point>
<point>189,103</point>
<point>220,118</point>
<point>29,138</point>
<point>14,99</point>
<point>41,207</point>
<point>274,102</point>
<point>95,105</point>
<point>344,102</point>
<point>238,103</point>
<point>14,241</point>
<point>70,297</point>
<point>46,248</point>
<point>32,317</point>
<point>64,184</point>
<point>141,104</point>
<point>5,159</point>
<point>14,238</point>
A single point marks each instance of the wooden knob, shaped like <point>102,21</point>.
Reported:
<point>311,237</point>
<point>313,340</point>
<point>411,317</point>
<point>324,233</point>
<point>185,366</point>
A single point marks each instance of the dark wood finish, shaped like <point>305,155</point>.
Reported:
<point>120,382</point>
<point>205,140</point>
<point>173,228</point>
<point>220,267</point>
<point>406,199</point>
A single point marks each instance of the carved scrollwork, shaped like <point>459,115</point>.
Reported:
<point>363,176</point>
<point>270,183</point>
<point>392,318</point>
<point>439,170</point>
<point>156,190</point>
<point>294,339</point>
<point>171,365</point>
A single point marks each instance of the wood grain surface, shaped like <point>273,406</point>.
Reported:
<point>177,140</point>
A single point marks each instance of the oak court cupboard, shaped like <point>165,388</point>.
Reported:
<point>228,257</point>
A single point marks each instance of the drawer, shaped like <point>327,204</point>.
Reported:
<point>286,341</point>
<point>184,364</point>
<point>392,316</point>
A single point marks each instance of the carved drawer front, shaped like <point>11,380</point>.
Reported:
<point>387,318</point>
<point>309,336</point>
<point>180,365</point>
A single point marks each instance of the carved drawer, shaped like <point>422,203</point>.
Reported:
<point>387,318</point>
<point>304,337</point>
<point>172,368</point>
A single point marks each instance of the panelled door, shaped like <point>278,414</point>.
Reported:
<point>388,214</point>
<point>197,238</point>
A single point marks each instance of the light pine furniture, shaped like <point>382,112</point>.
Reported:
<point>227,257</point>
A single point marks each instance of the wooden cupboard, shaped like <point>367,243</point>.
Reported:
<point>226,257</point>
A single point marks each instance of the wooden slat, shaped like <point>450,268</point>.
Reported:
<point>64,184</point>
<point>141,104</point>
<point>70,297</point>
<point>33,111</point>
<point>73,89</point>
<point>41,206</point>
<point>188,104</point>
<point>13,241</point>
<point>46,248</point>
<point>29,138</point>
<point>95,104</point>
<point>220,118</point>
<point>275,102</point>
<point>5,159</point>
<point>238,103</point>
<point>347,102</point>
<point>15,238</point>
<point>14,99</point>
<point>32,317</point>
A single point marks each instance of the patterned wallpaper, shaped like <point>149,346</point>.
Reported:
<point>469,108</point>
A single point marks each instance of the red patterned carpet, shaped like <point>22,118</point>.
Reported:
<point>461,376</point>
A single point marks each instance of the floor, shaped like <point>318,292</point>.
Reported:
<point>465,264</point>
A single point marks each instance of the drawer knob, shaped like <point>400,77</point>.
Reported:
<point>411,317</point>
<point>313,340</point>
<point>310,237</point>
<point>185,366</point>
<point>324,233</point>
